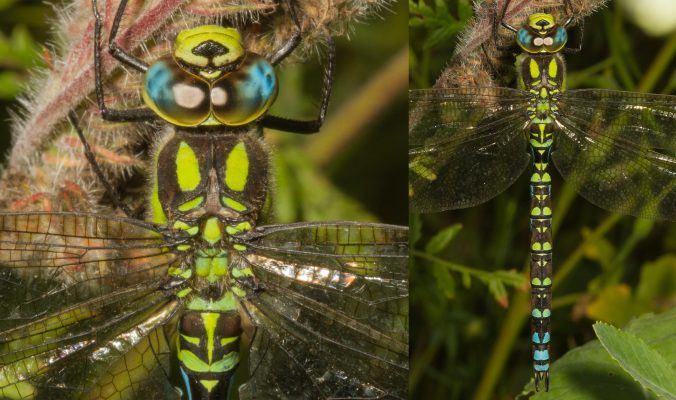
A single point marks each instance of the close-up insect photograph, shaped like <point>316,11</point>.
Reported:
<point>542,191</point>
<point>239,231</point>
<point>338,199</point>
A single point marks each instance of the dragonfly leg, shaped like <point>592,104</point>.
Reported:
<point>293,42</point>
<point>138,114</point>
<point>95,165</point>
<point>309,126</point>
<point>580,37</point>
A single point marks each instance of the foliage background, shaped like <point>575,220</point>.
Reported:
<point>470,303</point>
<point>356,169</point>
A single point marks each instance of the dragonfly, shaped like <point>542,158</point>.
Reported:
<point>95,306</point>
<point>616,148</point>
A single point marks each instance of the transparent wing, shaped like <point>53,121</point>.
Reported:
<point>467,145</point>
<point>619,150</point>
<point>335,303</point>
<point>71,285</point>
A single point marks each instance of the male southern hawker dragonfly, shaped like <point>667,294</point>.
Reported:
<point>468,144</point>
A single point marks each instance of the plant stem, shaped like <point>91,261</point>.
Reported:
<point>658,66</point>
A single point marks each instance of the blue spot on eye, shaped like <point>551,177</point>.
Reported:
<point>524,37</point>
<point>561,37</point>
<point>158,83</point>
<point>263,75</point>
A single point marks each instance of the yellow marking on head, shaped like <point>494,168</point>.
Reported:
<point>211,75</point>
<point>191,204</point>
<point>538,17</point>
<point>187,168</point>
<point>237,168</point>
<point>534,69</point>
<point>553,69</point>
<point>189,39</point>
<point>183,292</point>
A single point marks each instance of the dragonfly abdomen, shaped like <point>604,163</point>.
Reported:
<point>208,351</point>
<point>542,75</point>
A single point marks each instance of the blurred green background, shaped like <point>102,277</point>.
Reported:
<point>354,169</point>
<point>469,316</point>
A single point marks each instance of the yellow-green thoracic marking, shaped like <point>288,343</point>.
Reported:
<point>210,186</point>
<point>210,80</point>
<point>541,73</point>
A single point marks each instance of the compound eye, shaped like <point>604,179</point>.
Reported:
<point>538,41</point>
<point>175,95</point>
<point>548,41</point>
<point>246,94</point>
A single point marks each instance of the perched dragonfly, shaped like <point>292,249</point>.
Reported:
<point>95,306</point>
<point>102,307</point>
<point>468,144</point>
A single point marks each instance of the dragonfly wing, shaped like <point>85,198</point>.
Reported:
<point>106,347</point>
<point>75,288</point>
<point>467,145</point>
<point>618,149</point>
<point>335,301</point>
<point>51,260</point>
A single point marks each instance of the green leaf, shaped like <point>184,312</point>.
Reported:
<point>499,292</point>
<point>642,362</point>
<point>512,278</point>
<point>590,373</point>
<point>658,281</point>
<point>444,280</point>
<point>615,305</point>
<point>439,241</point>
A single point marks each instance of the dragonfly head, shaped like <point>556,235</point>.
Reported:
<point>212,187</point>
<point>210,80</point>
<point>541,34</point>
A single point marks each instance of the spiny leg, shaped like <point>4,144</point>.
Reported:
<point>138,114</point>
<point>312,126</point>
<point>501,22</point>
<point>95,165</point>
<point>293,42</point>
